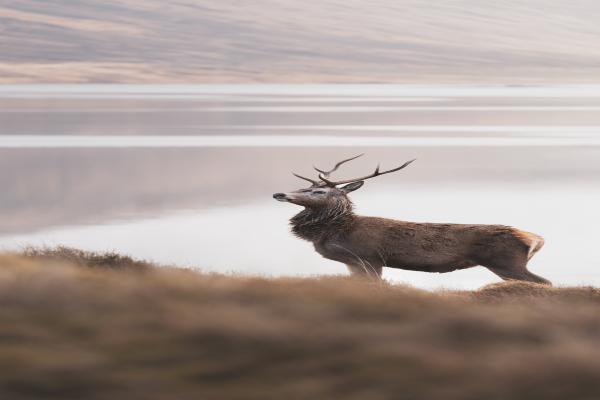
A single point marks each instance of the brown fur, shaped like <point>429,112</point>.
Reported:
<point>367,244</point>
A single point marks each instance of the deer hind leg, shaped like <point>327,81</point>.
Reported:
<point>365,270</point>
<point>515,268</point>
<point>519,274</point>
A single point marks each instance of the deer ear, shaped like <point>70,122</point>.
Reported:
<point>351,187</point>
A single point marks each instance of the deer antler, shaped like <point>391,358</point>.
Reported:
<point>325,179</point>
<point>327,173</point>
<point>314,183</point>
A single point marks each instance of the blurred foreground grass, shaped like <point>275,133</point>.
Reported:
<point>76,325</point>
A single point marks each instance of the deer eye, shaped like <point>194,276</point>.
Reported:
<point>319,192</point>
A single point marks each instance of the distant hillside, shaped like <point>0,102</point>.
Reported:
<point>291,41</point>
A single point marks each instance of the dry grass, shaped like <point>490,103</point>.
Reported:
<point>129,331</point>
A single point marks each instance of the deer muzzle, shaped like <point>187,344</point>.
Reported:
<point>280,197</point>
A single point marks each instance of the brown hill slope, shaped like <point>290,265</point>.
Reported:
<point>122,329</point>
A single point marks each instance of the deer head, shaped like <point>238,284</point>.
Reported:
<point>325,191</point>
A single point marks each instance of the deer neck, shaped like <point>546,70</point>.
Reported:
<point>316,224</point>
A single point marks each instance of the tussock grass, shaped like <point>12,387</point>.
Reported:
<point>95,326</point>
<point>83,258</point>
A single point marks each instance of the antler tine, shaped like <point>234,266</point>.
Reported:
<point>314,183</point>
<point>328,182</point>
<point>326,173</point>
<point>373,175</point>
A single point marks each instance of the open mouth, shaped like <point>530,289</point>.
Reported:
<point>280,197</point>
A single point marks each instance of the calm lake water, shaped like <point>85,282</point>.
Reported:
<point>184,174</point>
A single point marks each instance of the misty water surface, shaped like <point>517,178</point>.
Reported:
<point>184,174</point>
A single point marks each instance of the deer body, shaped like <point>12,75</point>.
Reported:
<point>367,244</point>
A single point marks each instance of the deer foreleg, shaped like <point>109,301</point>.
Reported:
<point>365,270</point>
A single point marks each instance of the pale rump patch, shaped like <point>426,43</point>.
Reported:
<point>532,248</point>
<point>532,240</point>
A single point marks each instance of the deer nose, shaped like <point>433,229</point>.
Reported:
<point>279,196</point>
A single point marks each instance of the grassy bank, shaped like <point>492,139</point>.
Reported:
<point>79,325</point>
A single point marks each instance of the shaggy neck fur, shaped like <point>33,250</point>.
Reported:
<point>315,224</point>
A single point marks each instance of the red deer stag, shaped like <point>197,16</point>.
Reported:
<point>367,244</point>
